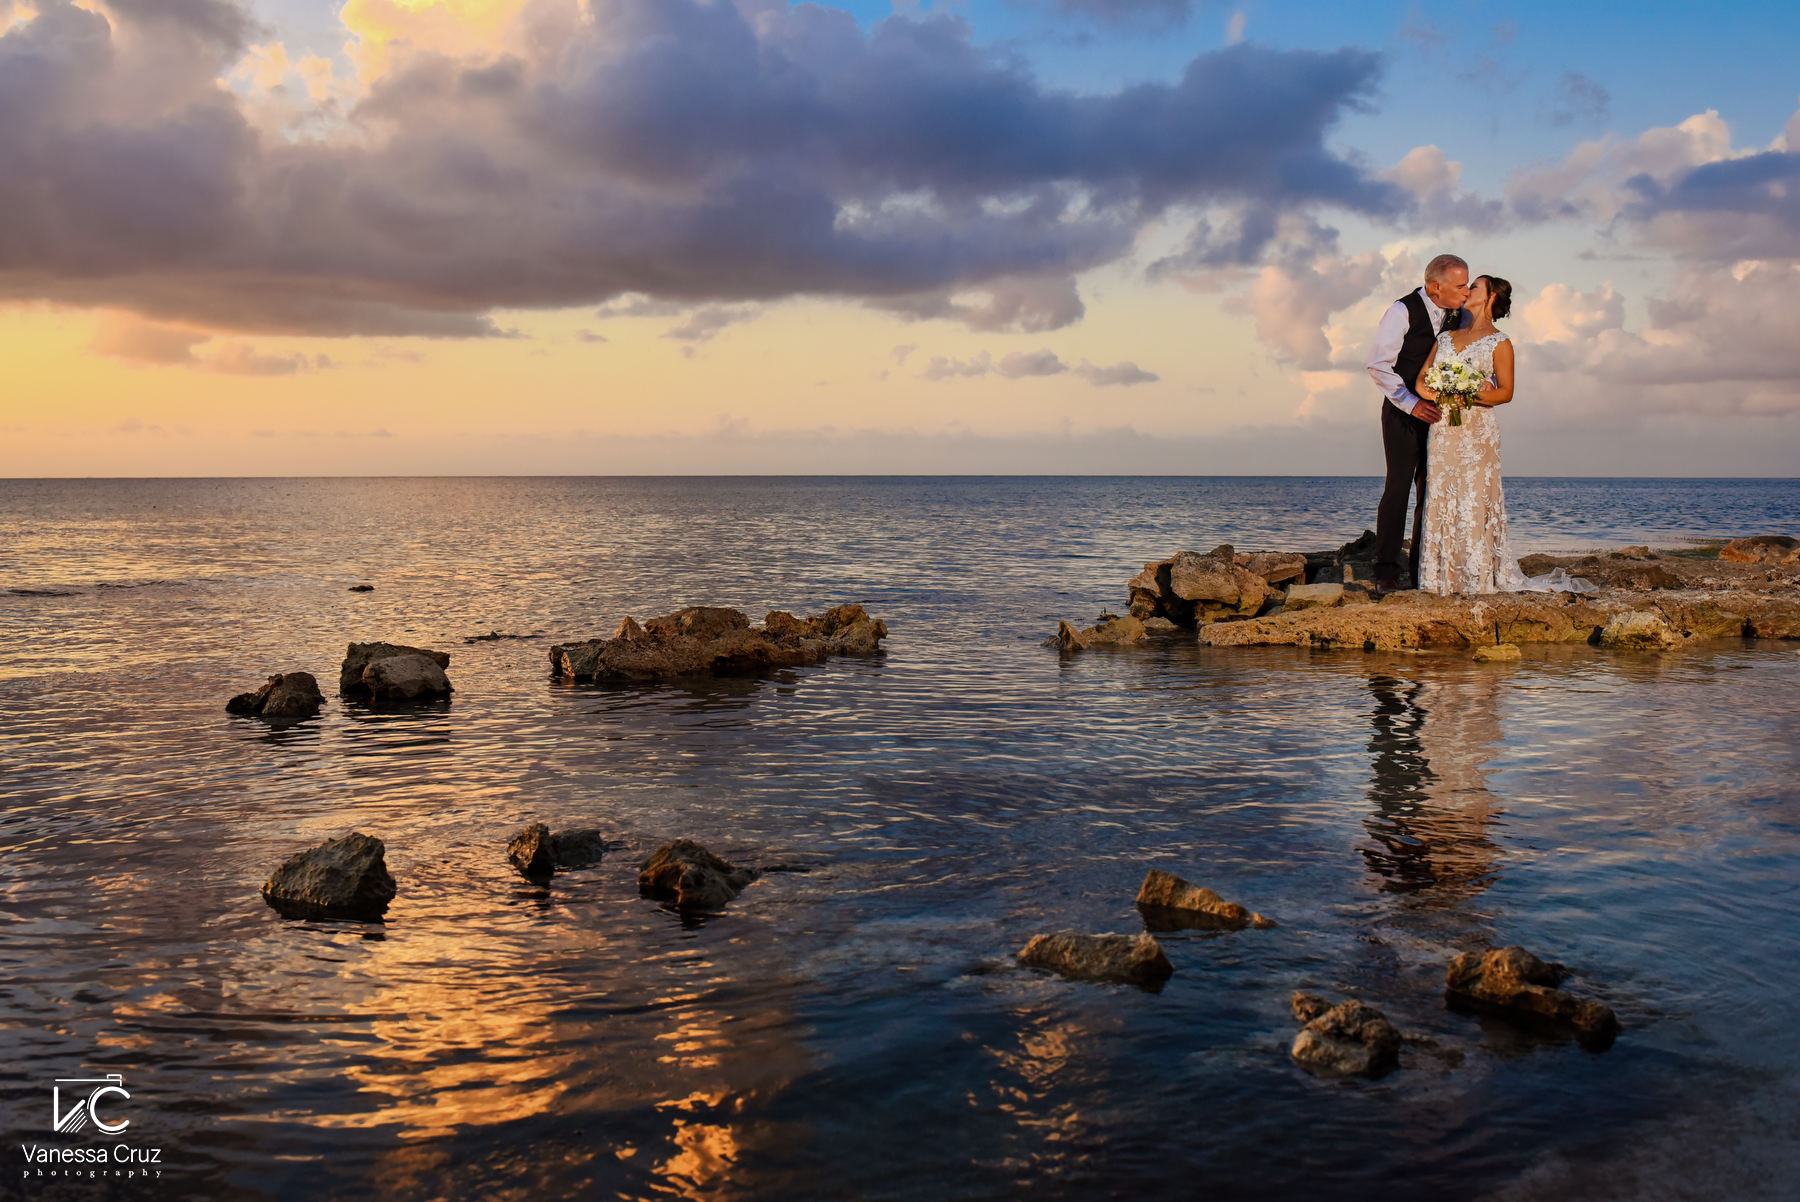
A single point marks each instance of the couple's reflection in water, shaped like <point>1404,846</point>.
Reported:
<point>1428,833</point>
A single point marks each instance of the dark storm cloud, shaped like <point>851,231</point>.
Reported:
<point>677,149</point>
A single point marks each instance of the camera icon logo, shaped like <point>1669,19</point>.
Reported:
<point>85,1112</point>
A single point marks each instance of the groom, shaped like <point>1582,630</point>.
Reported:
<point>1403,342</point>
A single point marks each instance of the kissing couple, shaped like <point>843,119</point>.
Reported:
<point>1443,367</point>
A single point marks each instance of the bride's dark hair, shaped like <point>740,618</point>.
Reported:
<point>1499,296</point>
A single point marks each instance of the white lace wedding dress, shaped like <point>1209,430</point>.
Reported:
<point>1465,548</point>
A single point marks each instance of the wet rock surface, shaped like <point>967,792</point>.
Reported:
<point>287,697</point>
<point>1169,903</point>
<point>1346,1040</point>
<point>392,672</point>
<point>1112,632</point>
<point>1119,959</point>
<point>1510,981</point>
<point>538,853</point>
<point>712,641</point>
<point>1696,597</point>
<point>1499,653</point>
<point>692,877</point>
<point>1763,548</point>
<point>1638,630</point>
<point>341,878</point>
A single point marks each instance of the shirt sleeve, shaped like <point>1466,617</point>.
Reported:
<point>1389,335</point>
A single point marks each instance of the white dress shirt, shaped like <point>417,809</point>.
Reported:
<point>1388,337</point>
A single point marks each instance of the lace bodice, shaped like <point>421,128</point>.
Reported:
<point>1478,354</point>
<point>1466,549</point>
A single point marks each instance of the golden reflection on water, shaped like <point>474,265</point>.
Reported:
<point>1433,737</point>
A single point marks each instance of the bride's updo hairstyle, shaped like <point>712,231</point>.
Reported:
<point>1499,297</point>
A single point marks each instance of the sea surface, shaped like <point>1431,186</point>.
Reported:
<point>860,1030</point>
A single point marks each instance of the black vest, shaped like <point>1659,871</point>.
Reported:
<point>1420,337</point>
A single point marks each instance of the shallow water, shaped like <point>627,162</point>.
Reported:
<point>857,1031</point>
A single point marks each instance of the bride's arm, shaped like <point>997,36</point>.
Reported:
<point>1502,392</point>
<point>1420,390</point>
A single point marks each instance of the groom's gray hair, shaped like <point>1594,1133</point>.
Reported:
<point>1439,267</point>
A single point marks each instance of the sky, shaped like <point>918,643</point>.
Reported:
<point>414,237</point>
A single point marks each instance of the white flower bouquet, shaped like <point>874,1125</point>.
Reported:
<point>1456,384</point>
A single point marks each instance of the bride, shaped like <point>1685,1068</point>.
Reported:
<point>1465,549</point>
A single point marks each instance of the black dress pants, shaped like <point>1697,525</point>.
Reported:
<point>1403,438</point>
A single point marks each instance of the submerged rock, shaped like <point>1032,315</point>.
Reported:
<point>1125,959</point>
<point>392,672</point>
<point>340,878</point>
<point>1512,981</point>
<point>708,641</point>
<point>287,697</point>
<point>1349,1039</point>
<point>1110,633</point>
<point>692,877</point>
<point>1170,903</point>
<point>361,588</point>
<point>538,853</point>
<point>1498,653</point>
<point>1639,630</point>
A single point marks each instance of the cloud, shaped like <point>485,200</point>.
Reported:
<point>1578,98</point>
<point>693,152</point>
<point>1020,364</point>
<point>1123,373</point>
<point>1234,27</point>
<point>704,323</point>
<point>589,336</point>
<point>942,368</point>
<point>1121,12</point>
<point>122,336</point>
<point>1432,179</point>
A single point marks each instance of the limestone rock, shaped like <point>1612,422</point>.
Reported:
<point>1216,585</point>
<point>579,848</point>
<point>1312,596</point>
<point>1112,633</point>
<point>341,878</point>
<point>1159,626</point>
<point>287,697</point>
<point>691,876</point>
<point>1498,653</point>
<point>1170,903</point>
<point>1639,630</point>
<point>402,682</point>
<point>712,641</point>
<point>1275,567</point>
<point>404,678</point>
<point>530,853</point>
<point>1125,959</point>
<point>1512,981</point>
<point>1349,1039</point>
<point>538,853</point>
<point>1764,548</point>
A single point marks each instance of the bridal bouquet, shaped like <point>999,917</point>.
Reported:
<point>1456,384</point>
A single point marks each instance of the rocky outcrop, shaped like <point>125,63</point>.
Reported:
<point>710,641</point>
<point>341,878</point>
<point>1499,653</point>
<point>1169,903</point>
<point>1194,588</point>
<point>1122,959</point>
<point>538,853</point>
<point>691,876</point>
<point>390,672</point>
<point>1346,1040</point>
<point>1111,632</point>
<point>1638,630</point>
<point>1412,620</point>
<point>1513,982</point>
<point>1764,548</point>
<point>287,697</point>
<point>1233,606</point>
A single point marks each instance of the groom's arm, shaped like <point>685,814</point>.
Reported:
<point>1388,337</point>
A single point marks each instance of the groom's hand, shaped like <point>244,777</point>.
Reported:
<point>1425,411</point>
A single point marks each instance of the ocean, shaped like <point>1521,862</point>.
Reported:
<point>859,1030</point>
